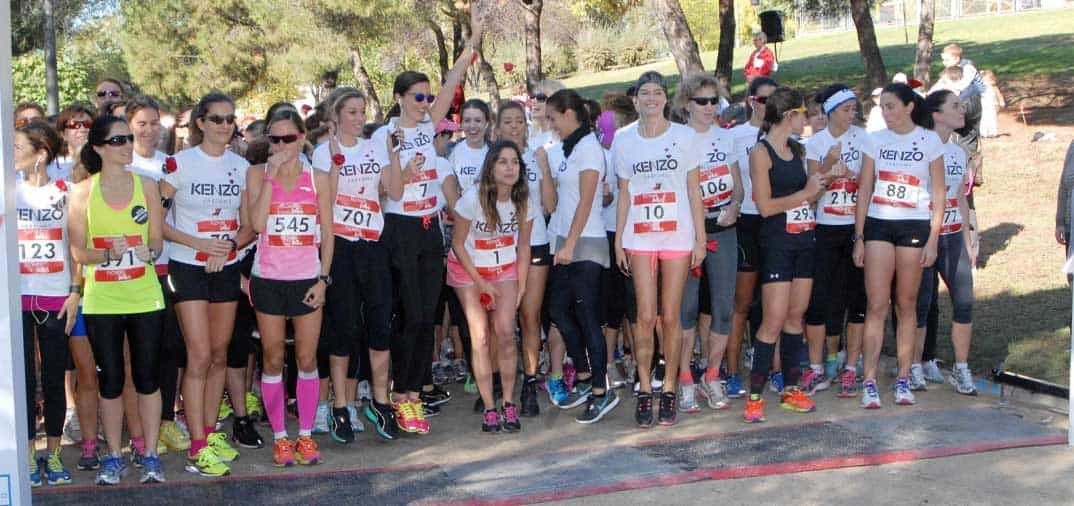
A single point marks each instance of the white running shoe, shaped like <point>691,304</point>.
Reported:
<point>962,379</point>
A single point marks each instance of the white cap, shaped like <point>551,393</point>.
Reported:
<point>900,77</point>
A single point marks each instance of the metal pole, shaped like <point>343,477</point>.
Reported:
<point>1070,398</point>
<point>14,451</point>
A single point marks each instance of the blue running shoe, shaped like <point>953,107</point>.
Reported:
<point>734,387</point>
<point>776,382</point>
<point>113,469</point>
<point>557,391</point>
<point>35,471</point>
<point>56,473</point>
<point>152,470</point>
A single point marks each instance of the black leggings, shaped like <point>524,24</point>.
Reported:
<point>172,358</point>
<point>52,341</point>
<point>838,285</point>
<point>106,334</point>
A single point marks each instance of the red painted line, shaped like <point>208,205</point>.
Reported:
<point>766,470</point>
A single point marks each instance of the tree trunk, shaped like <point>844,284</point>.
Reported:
<point>360,75</point>
<point>680,40</point>
<point>532,20</point>
<point>875,73</point>
<point>726,53</point>
<point>441,48</point>
<point>923,60</point>
<point>52,89</point>
<point>487,74</point>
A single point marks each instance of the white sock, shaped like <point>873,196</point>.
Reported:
<point>817,368</point>
<point>279,435</point>
<point>305,433</point>
<point>961,365</point>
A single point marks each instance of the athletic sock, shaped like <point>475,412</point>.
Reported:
<point>961,365</point>
<point>272,395</point>
<point>308,392</point>
<point>762,362</point>
<point>790,348</point>
<point>685,378</point>
<point>196,445</point>
<point>138,443</point>
<point>712,374</point>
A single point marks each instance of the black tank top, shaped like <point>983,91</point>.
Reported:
<point>786,177</point>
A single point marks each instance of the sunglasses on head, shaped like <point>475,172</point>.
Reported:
<point>286,139</point>
<point>109,93</point>
<point>118,140</point>
<point>759,99</point>
<point>800,109</point>
<point>706,100</point>
<point>86,123</point>
<point>421,97</point>
<point>540,97</point>
<point>220,120</point>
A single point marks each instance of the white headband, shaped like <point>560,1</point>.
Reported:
<point>839,98</point>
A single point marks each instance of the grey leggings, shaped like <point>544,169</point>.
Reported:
<point>721,269</point>
<point>953,265</point>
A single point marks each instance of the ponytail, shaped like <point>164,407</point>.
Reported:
<point>98,136</point>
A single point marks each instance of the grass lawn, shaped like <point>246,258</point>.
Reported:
<point>1033,43</point>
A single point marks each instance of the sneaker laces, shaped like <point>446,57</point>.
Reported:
<point>492,417</point>
<point>902,387</point>
<point>645,402</point>
<point>870,389</point>
<point>510,413</point>
<point>964,378</point>
<point>284,448</point>
<point>418,409</point>
<point>112,464</point>
<point>846,380</point>
<point>306,445</point>
<point>54,463</point>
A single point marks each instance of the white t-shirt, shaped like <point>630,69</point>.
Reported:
<point>542,139</point>
<point>208,194</point>
<point>466,163</point>
<point>837,205</point>
<point>491,249</point>
<point>423,195</point>
<point>608,214</point>
<point>61,171</point>
<point>539,235</point>
<point>356,210</point>
<point>153,168</point>
<point>587,155</point>
<point>954,162</point>
<point>745,136</point>
<point>659,217</point>
<point>41,215</point>
<point>717,148</point>
<point>903,182</point>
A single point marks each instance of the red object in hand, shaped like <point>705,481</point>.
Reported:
<point>712,245</point>
<point>696,272</point>
<point>61,184</point>
<point>338,159</point>
<point>486,301</point>
<point>170,165</point>
<point>508,67</point>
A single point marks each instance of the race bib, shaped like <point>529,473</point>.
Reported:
<point>216,229</point>
<point>419,194</point>
<point>801,219</point>
<point>493,256</point>
<point>717,185</point>
<point>952,217</point>
<point>357,218</point>
<point>41,250</point>
<point>125,268</point>
<point>841,198</point>
<point>654,212</point>
<point>896,189</point>
<point>292,224</point>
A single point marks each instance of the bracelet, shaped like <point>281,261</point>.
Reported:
<point>76,289</point>
<point>107,256</point>
<point>153,254</point>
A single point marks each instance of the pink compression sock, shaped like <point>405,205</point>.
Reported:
<point>272,394</point>
<point>308,391</point>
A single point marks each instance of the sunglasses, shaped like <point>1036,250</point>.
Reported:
<point>421,97</point>
<point>540,97</point>
<point>286,139</point>
<point>113,94</point>
<point>705,100</point>
<point>759,99</point>
<point>118,140</point>
<point>800,109</point>
<point>21,122</point>
<point>86,123</point>
<point>220,120</point>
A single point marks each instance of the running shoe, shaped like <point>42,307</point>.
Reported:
<point>615,378</point>
<point>253,406</point>
<point>207,463</point>
<point>55,471</point>
<point>667,414</point>
<point>688,398</point>
<point>643,412</point>
<point>364,393</point>
<point>89,461</point>
<point>775,382</point>
<point>735,389</point>
<point>932,371</point>
<point>218,442</point>
<point>598,406</point>
<point>903,395</point>
<point>794,399</point>
<point>152,470</point>
<point>435,397</point>
<point>320,420</point>
<point>656,381</point>
<point>713,392</point>
<point>356,421</point>
<point>582,389</point>
<point>870,397</point>
<point>307,452</point>
<point>831,368</point>
<point>382,416</point>
<point>421,424</point>
<point>340,426</point>
<point>490,423</point>
<point>569,374</point>
<point>283,453</point>
<point>225,408</point>
<point>430,411</point>
<point>848,384</point>
<point>136,456</point>
<point>917,378</point>
<point>460,370</point>
<point>173,437</point>
<point>470,386</point>
<point>962,379</point>
<point>244,433</point>
<point>754,411</point>
<point>813,382</point>
<point>557,391</point>
<point>113,469</point>
<point>405,417</point>
<point>440,373</point>
<point>509,414</point>
<point>71,427</point>
<point>35,471</point>
<point>528,398</point>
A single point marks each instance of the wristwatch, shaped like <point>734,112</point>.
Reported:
<point>856,237</point>
<point>326,278</point>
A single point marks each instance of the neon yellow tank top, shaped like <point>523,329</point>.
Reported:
<point>125,285</point>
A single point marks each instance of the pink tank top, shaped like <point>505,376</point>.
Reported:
<point>289,246</point>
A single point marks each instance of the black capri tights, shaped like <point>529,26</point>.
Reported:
<point>52,341</point>
<point>144,331</point>
<point>838,285</point>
